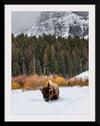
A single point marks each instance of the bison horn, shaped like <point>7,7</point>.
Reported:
<point>48,84</point>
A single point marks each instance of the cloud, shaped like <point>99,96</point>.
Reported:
<point>23,18</point>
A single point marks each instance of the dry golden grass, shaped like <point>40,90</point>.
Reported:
<point>34,81</point>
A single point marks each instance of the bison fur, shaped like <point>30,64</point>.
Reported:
<point>50,91</point>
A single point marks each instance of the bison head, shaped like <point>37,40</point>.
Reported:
<point>46,91</point>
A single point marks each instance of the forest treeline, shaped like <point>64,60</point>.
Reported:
<point>49,54</point>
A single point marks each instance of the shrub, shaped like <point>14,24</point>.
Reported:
<point>79,82</point>
<point>60,81</point>
<point>32,82</point>
<point>86,82</point>
<point>19,79</point>
<point>16,85</point>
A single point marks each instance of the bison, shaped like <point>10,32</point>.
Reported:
<point>50,91</point>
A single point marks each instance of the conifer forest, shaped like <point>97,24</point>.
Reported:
<point>49,54</point>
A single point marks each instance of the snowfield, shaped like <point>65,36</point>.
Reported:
<point>72,100</point>
<point>83,76</point>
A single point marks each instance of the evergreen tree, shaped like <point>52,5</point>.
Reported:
<point>16,69</point>
<point>49,53</point>
<point>75,62</point>
<point>14,53</point>
<point>38,67</point>
<point>57,46</point>
<point>24,68</point>
<point>46,60</point>
<point>62,64</point>
<point>53,62</point>
<point>79,68</point>
<point>12,36</point>
<point>59,62</point>
<point>69,65</point>
<point>31,68</point>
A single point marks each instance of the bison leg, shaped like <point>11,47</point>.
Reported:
<point>51,99</point>
<point>55,97</point>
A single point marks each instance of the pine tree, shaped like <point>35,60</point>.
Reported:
<point>53,62</point>
<point>24,68</point>
<point>79,67</point>
<point>49,53</point>
<point>38,67</point>
<point>69,65</point>
<point>12,36</point>
<point>61,64</point>
<point>75,62</point>
<point>31,68</point>
<point>58,46</point>
<point>62,67</point>
<point>16,69</point>
<point>46,60</point>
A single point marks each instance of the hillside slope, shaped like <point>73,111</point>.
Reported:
<point>83,76</point>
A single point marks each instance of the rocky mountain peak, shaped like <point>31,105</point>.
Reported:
<point>60,23</point>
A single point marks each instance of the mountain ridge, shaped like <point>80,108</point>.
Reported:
<point>60,23</point>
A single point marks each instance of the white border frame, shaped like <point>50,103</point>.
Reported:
<point>11,117</point>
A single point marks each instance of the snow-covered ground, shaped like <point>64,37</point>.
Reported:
<point>83,76</point>
<point>72,100</point>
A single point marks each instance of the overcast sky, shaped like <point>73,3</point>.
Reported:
<point>21,19</point>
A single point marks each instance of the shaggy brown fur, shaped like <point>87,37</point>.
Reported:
<point>51,91</point>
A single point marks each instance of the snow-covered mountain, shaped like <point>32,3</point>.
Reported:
<point>60,23</point>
